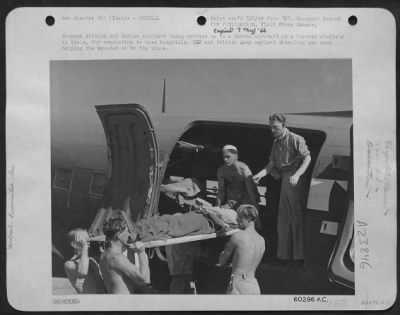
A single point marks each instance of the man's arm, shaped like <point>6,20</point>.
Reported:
<point>251,191</point>
<point>303,167</point>
<point>75,278</point>
<point>264,172</point>
<point>226,254</point>
<point>83,264</point>
<point>78,269</point>
<point>304,152</point>
<point>250,187</point>
<point>143,261</point>
<point>122,264</point>
<point>221,189</point>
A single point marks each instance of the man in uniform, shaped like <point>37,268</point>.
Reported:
<point>246,249</point>
<point>291,157</point>
<point>235,185</point>
<point>119,274</point>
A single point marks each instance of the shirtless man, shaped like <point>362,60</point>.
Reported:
<point>246,249</point>
<point>119,274</point>
<point>235,183</point>
<point>78,269</point>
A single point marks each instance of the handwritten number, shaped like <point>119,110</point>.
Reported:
<point>363,265</point>
<point>361,224</point>
<point>364,250</point>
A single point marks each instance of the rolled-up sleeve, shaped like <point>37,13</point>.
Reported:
<point>301,147</point>
<point>246,171</point>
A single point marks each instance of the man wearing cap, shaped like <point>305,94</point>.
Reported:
<point>235,185</point>
<point>290,157</point>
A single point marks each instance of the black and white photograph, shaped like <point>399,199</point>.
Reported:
<point>202,177</point>
<point>201,159</point>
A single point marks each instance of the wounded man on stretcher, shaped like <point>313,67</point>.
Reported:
<point>202,218</point>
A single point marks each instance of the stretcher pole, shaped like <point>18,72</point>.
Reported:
<point>137,263</point>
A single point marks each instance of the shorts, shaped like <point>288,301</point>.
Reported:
<point>243,284</point>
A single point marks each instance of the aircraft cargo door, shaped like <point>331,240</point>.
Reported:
<point>341,262</point>
<point>133,159</point>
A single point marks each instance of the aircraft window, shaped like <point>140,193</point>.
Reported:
<point>62,178</point>
<point>97,184</point>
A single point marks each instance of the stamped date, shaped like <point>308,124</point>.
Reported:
<point>310,299</point>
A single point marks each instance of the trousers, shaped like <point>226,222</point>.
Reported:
<point>291,218</point>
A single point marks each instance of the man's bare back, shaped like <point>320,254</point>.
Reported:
<point>249,250</point>
<point>114,279</point>
<point>245,249</point>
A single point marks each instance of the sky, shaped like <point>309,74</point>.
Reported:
<point>238,86</point>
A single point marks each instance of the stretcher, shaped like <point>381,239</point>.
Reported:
<point>156,244</point>
<point>175,240</point>
<point>190,185</point>
<point>104,214</point>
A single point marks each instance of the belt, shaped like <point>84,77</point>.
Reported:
<point>243,275</point>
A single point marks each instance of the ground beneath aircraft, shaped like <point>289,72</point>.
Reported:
<point>277,280</point>
<point>313,279</point>
<point>272,280</point>
<point>209,279</point>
